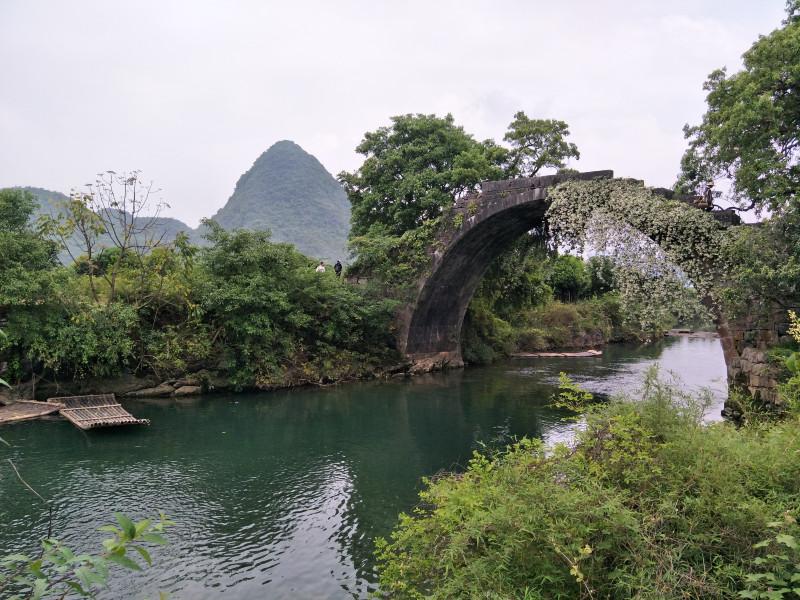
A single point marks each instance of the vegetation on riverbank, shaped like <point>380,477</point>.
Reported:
<point>566,302</point>
<point>253,312</point>
<point>648,502</point>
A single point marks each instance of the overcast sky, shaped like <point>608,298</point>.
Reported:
<point>192,92</point>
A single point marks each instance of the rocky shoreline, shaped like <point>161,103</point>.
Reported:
<point>204,381</point>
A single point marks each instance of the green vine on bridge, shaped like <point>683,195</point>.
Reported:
<point>658,245</point>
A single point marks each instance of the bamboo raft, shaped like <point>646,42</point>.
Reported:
<point>89,412</point>
<point>23,410</point>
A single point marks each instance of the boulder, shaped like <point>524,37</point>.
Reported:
<point>160,391</point>
<point>188,390</point>
<point>189,380</point>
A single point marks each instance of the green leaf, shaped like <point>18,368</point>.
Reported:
<point>12,558</point>
<point>142,526</point>
<point>126,524</point>
<point>40,588</point>
<point>109,529</point>
<point>144,554</point>
<point>153,538</point>
<point>75,586</point>
<point>124,561</point>
<point>787,540</point>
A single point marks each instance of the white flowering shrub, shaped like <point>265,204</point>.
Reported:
<point>667,253</point>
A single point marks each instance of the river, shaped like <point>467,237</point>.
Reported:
<point>280,495</point>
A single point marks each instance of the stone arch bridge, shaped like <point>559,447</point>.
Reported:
<point>429,327</point>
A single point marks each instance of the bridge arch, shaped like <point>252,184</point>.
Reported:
<point>430,328</point>
<point>488,223</point>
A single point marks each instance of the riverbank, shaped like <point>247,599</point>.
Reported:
<point>205,381</point>
<point>281,493</point>
<point>201,382</point>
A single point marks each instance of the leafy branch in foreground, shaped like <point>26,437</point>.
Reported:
<point>58,571</point>
<point>780,566</point>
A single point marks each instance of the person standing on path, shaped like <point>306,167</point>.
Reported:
<point>320,268</point>
<point>337,268</point>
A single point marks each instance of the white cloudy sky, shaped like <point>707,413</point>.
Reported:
<point>192,92</point>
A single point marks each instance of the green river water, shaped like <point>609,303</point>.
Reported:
<point>280,495</point>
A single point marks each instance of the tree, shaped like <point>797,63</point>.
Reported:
<point>77,221</point>
<point>413,170</point>
<point>536,144</point>
<point>750,134</point>
<point>601,275</point>
<point>120,209</point>
<point>516,280</point>
<point>26,258</point>
<point>568,277</point>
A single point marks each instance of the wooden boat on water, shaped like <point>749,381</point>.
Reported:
<point>581,354</point>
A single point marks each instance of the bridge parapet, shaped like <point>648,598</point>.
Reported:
<point>541,181</point>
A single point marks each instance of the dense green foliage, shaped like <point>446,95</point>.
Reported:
<point>412,172</point>
<point>26,259</point>
<point>648,503</point>
<point>787,359</point>
<point>271,310</point>
<point>750,133</point>
<point>250,310</point>
<point>568,277</point>
<point>762,263</point>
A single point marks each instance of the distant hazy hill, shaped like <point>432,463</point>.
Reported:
<point>289,192</point>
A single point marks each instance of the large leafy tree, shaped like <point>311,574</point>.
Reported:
<point>750,133</point>
<point>25,256</point>
<point>537,144</point>
<point>413,170</point>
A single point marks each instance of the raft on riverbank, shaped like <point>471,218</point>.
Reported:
<point>100,410</point>
<point>581,354</point>
<point>24,410</point>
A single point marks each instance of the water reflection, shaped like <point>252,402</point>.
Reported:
<point>280,495</point>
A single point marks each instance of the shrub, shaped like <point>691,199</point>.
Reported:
<point>649,503</point>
